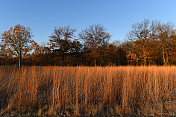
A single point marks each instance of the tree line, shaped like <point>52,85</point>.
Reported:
<point>149,43</point>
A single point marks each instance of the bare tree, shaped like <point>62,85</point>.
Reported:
<point>93,38</point>
<point>172,48</point>
<point>142,36</point>
<point>166,40</point>
<point>61,39</point>
<point>17,42</point>
<point>153,41</point>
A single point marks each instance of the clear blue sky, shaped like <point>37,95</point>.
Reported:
<point>42,16</point>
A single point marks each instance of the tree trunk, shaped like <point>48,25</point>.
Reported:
<point>165,57</point>
<point>145,61</point>
<point>19,59</point>
<point>95,62</point>
<point>144,56</point>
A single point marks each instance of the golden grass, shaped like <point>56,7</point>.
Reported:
<point>89,91</point>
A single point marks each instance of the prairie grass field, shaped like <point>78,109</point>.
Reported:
<point>88,91</point>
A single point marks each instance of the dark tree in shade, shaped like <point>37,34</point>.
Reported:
<point>94,37</point>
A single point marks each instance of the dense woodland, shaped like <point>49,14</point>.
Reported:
<point>149,43</point>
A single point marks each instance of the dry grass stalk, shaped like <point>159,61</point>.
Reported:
<point>89,90</point>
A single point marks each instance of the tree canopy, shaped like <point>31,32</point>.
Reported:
<point>16,42</point>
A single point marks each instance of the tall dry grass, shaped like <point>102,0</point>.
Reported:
<point>89,91</point>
